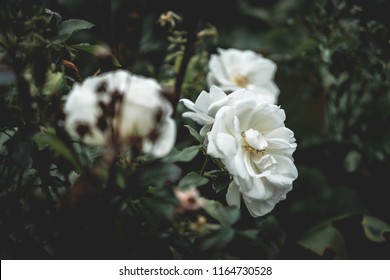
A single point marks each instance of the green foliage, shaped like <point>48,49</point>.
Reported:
<point>66,28</point>
<point>61,199</point>
<point>375,229</point>
<point>327,238</point>
<point>227,216</point>
<point>192,180</point>
<point>59,148</point>
<point>322,238</point>
<point>185,155</point>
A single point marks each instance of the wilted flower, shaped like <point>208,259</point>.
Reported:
<point>250,138</point>
<point>169,18</point>
<point>123,109</point>
<point>233,69</point>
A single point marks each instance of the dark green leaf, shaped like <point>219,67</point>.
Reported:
<point>227,216</point>
<point>160,205</point>
<point>185,155</point>
<point>192,180</point>
<point>217,240</point>
<point>221,182</point>
<point>250,233</point>
<point>68,27</point>
<point>195,134</point>
<point>324,237</point>
<point>374,228</point>
<point>46,139</point>
<point>157,174</point>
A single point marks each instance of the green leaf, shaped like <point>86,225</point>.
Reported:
<point>157,207</point>
<point>374,228</point>
<point>192,180</point>
<point>352,161</point>
<point>221,182</point>
<point>94,49</point>
<point>59,147</point>
<point>217,240</point>
<point>55,83</point>
<point>185,155</point>
<point>68,27</point>
<point>158,174</point>
<point>195,134</point>
<point>227,216</point>
<point>250,233</point>
<point>324,237</point>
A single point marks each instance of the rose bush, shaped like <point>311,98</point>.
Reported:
<point>99,159</point>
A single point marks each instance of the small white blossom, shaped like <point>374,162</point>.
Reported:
<point>250,138</point>
<point>122,109</point>
<point>233,69</point>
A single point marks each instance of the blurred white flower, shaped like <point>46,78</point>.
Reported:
<point>250,138</point>
<point>120,108</point>
<point>233,69</point>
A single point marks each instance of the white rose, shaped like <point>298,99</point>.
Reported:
<point>200,108</point>
<point>250,138</point>
<point>122,108</point>
<point>233,69</point>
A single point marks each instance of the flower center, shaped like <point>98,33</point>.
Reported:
<point>241,81</point>
<point>254,141</point>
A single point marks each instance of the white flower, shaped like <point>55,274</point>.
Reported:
<point>122,108</point>
<point>233,69</point>
<point>250,138</point>
<point>201,107</point>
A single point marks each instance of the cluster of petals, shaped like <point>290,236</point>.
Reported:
<point>122,109</point>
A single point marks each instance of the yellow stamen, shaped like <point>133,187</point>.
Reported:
<point>249,147</point>
<point>241,81</point>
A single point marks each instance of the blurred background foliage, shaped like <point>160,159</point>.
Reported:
<point>333,73</point>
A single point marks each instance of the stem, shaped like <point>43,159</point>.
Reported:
<point>189,49</point>
<point>204,166</point>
